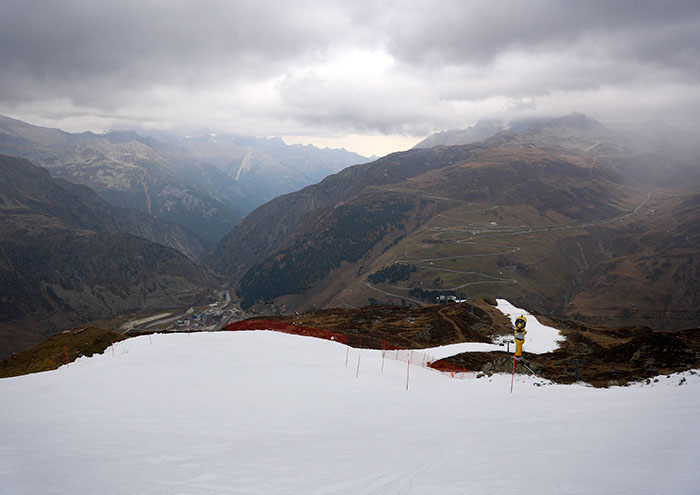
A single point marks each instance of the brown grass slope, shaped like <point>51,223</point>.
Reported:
<point>51,353</point>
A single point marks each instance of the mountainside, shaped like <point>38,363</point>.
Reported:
<point>562,215</point>
<point>205,184</point>
<point>281,222</point>
<point>67,257</point>
<point>124,172</point>
<point>651,152</point>
<point>79,206</point>
<point>267,167</point>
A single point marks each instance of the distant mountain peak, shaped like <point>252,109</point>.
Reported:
<point>574,120</point>
<point>483,129</point>
<point>205,182</point>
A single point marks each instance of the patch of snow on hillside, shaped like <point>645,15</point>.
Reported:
<point>539,338</point>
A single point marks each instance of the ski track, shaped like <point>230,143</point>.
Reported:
<point>271,413</point>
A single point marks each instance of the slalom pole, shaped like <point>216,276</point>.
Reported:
<point>383,354</point>
<point>347,353</point>
<point>112,342</point>
<point>408,369</point>
<point>149,337</point>
<point>65,347</point>
<point>357,374</point>
<point>513,376</point>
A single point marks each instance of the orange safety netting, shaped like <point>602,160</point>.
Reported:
<point>443,365</point>
<point>415,356</point>
<point>280,326</point>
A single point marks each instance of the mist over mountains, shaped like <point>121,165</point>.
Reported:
<point>206,183</point>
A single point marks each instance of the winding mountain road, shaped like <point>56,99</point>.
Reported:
<point>481,232</point>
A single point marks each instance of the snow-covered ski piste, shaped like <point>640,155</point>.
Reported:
<point>256,412</point>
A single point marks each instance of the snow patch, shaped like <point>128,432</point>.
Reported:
<point>540,338</point>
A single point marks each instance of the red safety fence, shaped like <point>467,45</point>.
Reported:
<point>280,326</point>
<point>414,357</point>
<point>442,365</point>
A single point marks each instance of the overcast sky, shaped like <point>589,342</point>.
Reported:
<point>374,76</point>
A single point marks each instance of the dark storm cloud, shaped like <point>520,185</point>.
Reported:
<point>117,45</point>
<point>279,65</point>
<point>476,32</point>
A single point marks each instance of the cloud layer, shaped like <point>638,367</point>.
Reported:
<point>325,68</point>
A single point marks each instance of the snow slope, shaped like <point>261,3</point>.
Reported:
<point>264,412</point>
<point>539,338</point>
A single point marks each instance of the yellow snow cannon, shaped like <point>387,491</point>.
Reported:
<point>520,332</point>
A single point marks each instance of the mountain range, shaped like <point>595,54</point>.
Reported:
<point>566,216</point>
<point>206,184</point>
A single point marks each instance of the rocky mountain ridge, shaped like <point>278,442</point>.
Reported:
<point>205,184</point>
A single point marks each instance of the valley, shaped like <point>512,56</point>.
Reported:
<point>550,214</point>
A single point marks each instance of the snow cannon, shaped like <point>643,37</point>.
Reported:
<point>520,332</point>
